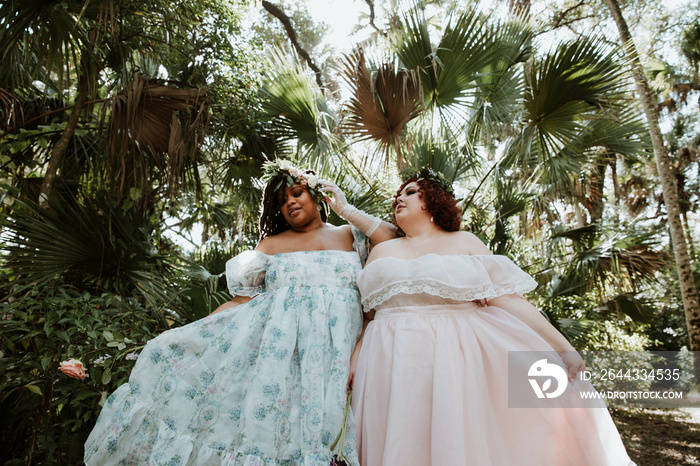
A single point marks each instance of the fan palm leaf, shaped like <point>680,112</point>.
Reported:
<point>629,305</point>
<point>49,26</point>
<point>92,244</point>
<point>496,107</point>
<point>154,130</point>
<point>382,103</point>
<point>300,117</point>
<point>471,60</point>
<point>441,153</point>
<point>582,81</point>
<point>620,262</point>
<point>448,69</point>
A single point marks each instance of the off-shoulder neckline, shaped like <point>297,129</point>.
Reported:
<point>432,254</point>
<point>297,252</point>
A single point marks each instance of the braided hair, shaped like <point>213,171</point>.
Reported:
<point>272,221</point>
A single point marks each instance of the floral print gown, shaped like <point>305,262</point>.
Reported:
<point>262,383</point>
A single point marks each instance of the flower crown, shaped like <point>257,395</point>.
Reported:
<point>291,175</point>
<point>427,173</point>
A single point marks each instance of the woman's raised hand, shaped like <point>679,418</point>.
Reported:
<point>337,199</point>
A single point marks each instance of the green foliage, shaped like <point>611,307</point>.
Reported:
<point>204,282</point>
<point>300,114</point>
<point>690,45</point>
<point>91,243</point>
<point>46,414</point>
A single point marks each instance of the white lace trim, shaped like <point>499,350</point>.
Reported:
<point>442,290</point>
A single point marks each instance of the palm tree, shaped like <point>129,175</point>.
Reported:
<point>516,135</point>
<point>70,46</point>
<point>90,243</point>
<point>689,292</point>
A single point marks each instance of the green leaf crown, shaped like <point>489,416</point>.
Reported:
<point>427,173</point>
<point>291,175</point>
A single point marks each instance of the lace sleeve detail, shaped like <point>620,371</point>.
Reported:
<point>443,290</point>
<point>245,273</point>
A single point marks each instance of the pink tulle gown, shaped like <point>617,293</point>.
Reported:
<point>431,386</point>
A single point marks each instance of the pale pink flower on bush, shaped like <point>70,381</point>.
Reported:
<point>131,357</point>
<point>101,359</point>
<point>73,368</point>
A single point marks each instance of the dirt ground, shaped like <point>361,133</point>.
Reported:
<point>660,437</point>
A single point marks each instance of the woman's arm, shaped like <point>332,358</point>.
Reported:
<point>236,301</point>
<point>384,232</point>
<point>519,307</point>
<point>377,230</point>
<point>367,317</point>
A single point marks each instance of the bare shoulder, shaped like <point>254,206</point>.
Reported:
<point>338,237</point>
<point>269,245</point>
<point>470,243</point>
<point>343,229</point>
<point>384,249</point>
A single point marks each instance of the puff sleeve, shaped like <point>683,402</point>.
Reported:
<point>360,244</point>
<point>245,273</point>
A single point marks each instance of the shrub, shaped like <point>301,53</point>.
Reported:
<point>47,414</point>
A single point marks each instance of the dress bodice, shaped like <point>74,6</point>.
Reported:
<point>434,279</point>
<point>252,272</point>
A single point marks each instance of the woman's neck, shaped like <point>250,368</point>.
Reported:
<point>313,225</point>
<point>421,230</point>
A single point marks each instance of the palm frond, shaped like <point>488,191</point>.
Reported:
<point>92,244</point>
<point>202,296</point>
<point>382,104</point>
<point>292,99</point>
<point>440,152</point>
<point>154,130</point>
<point>55,32</point>
<point>468,53</point>
<point>574,329</point>
<point>628,304</point>
<point>581,82</point>
<point>625,263</point>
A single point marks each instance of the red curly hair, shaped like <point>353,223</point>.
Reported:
<point>440,204</point>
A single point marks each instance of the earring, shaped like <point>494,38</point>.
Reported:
<point>431,219</point>
<point>318,207</point>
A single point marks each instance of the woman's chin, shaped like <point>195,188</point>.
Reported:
<point>300,219</point>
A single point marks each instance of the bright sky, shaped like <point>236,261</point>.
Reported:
<point>341,16</point>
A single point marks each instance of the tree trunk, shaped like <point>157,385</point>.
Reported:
<point>277,12</point>
<point>670,193</point>
<point>62,145</point>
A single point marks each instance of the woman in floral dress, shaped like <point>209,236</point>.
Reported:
<point>262,381</point>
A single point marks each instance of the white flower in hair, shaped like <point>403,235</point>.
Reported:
<point>312,181</point>
<point>285,165</point>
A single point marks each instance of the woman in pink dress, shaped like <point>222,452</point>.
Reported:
<point>434,384</point>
